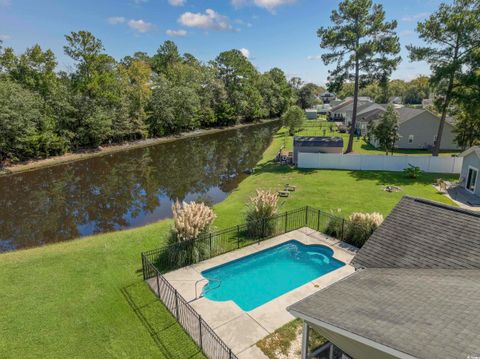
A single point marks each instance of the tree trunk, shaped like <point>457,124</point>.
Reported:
<point>436,148</point>
<point>355,104</point>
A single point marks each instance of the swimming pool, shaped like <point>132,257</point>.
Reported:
<point>260,277</point>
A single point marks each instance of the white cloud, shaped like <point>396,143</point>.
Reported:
<point>177,33</point>
<point>270,5</point>
<point>415,17</point>
<point>406,33</point>
<point>177,2</point>
<point>5,37</point>
<point>245,52</point>
<point>114,20</point>
<point>210,20</point>
<point>316,57</point>
<point>140,25</point>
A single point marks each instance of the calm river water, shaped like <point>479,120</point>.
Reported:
<point>125,189</point>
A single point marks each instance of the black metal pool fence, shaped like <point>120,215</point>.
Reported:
<point>159,261</point>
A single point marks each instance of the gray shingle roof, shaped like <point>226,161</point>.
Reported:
<point>424,234</point>
<point>426,313</point>
<point>317,141</point>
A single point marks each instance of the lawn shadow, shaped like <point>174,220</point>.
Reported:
<point>162,326</point>
<point>394,178</point>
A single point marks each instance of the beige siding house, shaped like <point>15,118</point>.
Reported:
<point>417,128</point>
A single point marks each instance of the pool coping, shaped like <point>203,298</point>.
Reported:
<point>240,329</point>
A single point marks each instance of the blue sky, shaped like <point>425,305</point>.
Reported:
<point>279,33</point>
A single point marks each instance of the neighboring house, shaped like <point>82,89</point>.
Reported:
<point>323,109</point>
<point>335,102</point>
<point>327,97</point>
<point>311,113</point>
<point>343,111</point>
<point>396,100</point>
<point>417,128</point>
<point>316,144</point>
<point>415,292</point>
<point>470,175</point>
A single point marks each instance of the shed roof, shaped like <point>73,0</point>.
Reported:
<point>474,149</point>
<point>317,141</point>
<point>424,234</point>
<point>425,313</point>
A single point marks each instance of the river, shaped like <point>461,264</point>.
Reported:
<point>125,189</point>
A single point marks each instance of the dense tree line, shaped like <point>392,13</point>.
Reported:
<point>411,92</point>
<point>44,112</point>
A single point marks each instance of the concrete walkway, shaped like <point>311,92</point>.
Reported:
<point>241,330</point>
<point>464,198</point>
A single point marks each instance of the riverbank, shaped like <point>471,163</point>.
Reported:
<point>86,298</point>
<point>105,150</point>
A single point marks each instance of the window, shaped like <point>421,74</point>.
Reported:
<point>471,179</point>
<point>410,138</point>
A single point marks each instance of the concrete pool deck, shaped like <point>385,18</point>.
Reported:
<point>241,330</point>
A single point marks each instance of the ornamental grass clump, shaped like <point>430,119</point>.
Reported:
<point>261,209</point>
<point>360,227</point>
<point>190,221</point>
<point>335,224</point>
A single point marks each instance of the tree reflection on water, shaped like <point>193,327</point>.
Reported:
<point>124,189</point>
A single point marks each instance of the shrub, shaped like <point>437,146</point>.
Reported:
<point>442,185</point>
<point>335,224</point>
<point>360,227</point>
<point>293,119</point>
<point>191,220</point>
<point>260,210</point>
<point>412,171</point>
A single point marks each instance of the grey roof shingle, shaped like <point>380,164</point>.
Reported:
<point>426,313</point>
<point>318,141</point>
<point>424,234</point>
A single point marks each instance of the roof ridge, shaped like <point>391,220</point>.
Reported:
<point>442,205</point>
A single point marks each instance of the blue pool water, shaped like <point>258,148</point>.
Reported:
<point>260,277</point>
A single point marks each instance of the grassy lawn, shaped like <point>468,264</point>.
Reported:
<point>86,298</point>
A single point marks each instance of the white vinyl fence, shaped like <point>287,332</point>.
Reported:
<point>379,163</point>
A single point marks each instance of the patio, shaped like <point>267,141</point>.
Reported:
<point>464,198</point>
<point>228,320</point>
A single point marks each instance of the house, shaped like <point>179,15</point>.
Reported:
<point>415,292</point>
<point>470,175</point>
<point>311,113</point>
<point>327,97</point>
<point>323,109</point>
<point>417,128</point>
<point>343,111</point>
<point>316,144</point>
<point>396,100</point>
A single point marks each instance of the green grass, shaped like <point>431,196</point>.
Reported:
<point>86,299</point>
<point>280,341</point>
